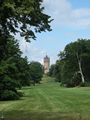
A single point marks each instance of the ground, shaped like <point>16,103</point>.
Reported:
<point>49,101</point>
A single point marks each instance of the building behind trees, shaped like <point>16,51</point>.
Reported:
<point>46,64</point>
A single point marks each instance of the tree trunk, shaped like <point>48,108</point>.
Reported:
<point>80,68</point>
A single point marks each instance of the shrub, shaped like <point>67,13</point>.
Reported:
<point>9,95</point>
<point>20,94</point>
<point>86,84</point>
<point>82,84</point>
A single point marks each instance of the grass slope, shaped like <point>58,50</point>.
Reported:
<point>49,101</point>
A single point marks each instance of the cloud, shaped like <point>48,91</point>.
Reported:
<point>33,53</point>
<point>64,14</point>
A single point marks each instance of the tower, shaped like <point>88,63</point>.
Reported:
<point>46,64</point>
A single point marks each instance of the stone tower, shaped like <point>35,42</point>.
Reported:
<point>46,64</point>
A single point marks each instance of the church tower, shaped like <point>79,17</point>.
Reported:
<point>46,64</point>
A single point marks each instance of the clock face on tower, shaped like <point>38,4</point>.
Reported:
<point>46,64</point>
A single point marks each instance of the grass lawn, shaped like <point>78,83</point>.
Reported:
<point>49,101</point>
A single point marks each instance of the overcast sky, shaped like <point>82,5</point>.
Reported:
<point>71,21</point>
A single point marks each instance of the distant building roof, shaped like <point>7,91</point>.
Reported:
<point>46,57</point>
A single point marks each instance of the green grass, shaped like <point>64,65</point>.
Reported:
<point>49,101</point>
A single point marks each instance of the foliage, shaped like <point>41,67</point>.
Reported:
<point>23,71</point>
<point>10,70</point>
<point>27,15</point>
<point>74,63</point>
<point>7,76</point>
<point>9,95</point>
<point>36,71</point>
<point>54,71</point>
<point>51,70</point>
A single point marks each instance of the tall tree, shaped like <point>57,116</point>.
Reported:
<point>8,71</point>
<point>73,65</point>
<point>75,50</point>
<point>25,17</point>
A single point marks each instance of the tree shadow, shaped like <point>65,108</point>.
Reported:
<point>27,115</point>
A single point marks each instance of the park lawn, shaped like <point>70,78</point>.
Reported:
<point>49,101</point>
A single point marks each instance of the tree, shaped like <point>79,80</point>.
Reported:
<point>23,16</point>
<point>78,49</point>
<point>27,18</point>
<point>51,70</point>
<point>23,71</point>
<point>14,71</point>
<point>74,69</point>
<point>8,71</point>
<point>36,72</point>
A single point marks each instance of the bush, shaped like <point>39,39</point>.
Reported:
<point>86,84</point>
<point>20,94</point>
<point>82,84</point>
<point>9,95</point>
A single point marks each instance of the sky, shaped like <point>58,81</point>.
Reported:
<point>71,21</point>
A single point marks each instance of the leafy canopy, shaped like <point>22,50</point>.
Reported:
<point>23,16</point>
<point>74,64</point>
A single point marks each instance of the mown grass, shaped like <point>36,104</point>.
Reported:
<point>49,101</point>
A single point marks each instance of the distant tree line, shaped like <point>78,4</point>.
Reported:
<point>73,67</point>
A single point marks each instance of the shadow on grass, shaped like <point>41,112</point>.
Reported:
<point>24,115</point>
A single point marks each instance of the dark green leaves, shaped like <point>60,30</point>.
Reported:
<point>24,16</point>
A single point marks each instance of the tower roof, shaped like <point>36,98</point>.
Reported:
<point>46,57</point>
